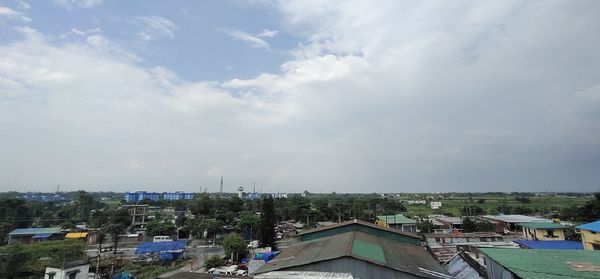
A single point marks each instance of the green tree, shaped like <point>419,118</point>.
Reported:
<point>214,261</point>
<point>425,226</point>
<point>159,227</point>
<point>267,223</point>
<point>12,261</point>
<point>469,225</point>
<point>235,247</point>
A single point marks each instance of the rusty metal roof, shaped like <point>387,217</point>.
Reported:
<point>359,223</point>
<point>377,250</point>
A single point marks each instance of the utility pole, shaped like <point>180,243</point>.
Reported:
<point>221,190</point>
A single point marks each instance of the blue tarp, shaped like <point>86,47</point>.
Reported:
<point>551,244</point>
<point>41,235</point>
<point>266,256</point>
<point>153,247</point>
<point>593,226</point>
<point>169,256</point>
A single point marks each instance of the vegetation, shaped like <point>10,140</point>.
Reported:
<point>214,261</point>
<point>159,227</point>
<point>32,259</point>
<point>267,223</point>
<point>235,247</point>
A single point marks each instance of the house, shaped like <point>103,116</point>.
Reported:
<point>397,221</point>
<point>70,270</point>
<point>508,223</point>
<point>450,223</point>
<point>557,244</point>
<point>365,227</point>
<point>445,245</point>
<point>544,231</point>
<point>540,263</point>
<point>590,235</point>
<point>435,204</point>
<point>362,254</point>
<point>33,235</point>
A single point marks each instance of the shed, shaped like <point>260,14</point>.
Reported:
<point>360,226</point>
<point>362,254</point>
<point>590,236</point>
<point>544,231</point>
<point>397,221</point>
<point>541,263</point>
<point>31,235</point>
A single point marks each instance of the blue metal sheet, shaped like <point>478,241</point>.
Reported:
<point>153,247</point>
<point>41,235</point>
<point>551,244</point>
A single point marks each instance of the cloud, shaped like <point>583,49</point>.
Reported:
<point>393,97</point>
<point>267,33</point>
<point>254,41</point>
<point>75,31</point>
<point>155,27</point>
<point>10,13</point>
<point>74,4</point>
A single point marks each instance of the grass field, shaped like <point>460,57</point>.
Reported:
<point>453,206</point>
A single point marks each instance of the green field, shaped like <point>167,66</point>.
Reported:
<point>543,204</point>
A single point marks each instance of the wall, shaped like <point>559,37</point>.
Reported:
<point>64,273</point>
<point>358,268</point>
<point>497,271</point>
<point>539,234</point>
<point>588,237</point>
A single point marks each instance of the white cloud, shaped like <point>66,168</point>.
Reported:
<point>73,4</point>
<point>75,31</point>
<point>155,27</point>
<point>398,96</point>
<point>267,33</point>
<point>254,41</point>
<point>10,13</point>
<point>97,40</point>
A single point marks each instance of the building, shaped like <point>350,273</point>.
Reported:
<point>450,223</point>
<point>590,237</point>
<point>33,235</point>
<point>508,223</point>
<point>446,245</point>
<point>540,263</point>
<point>362,254</point>
<point>397,221</point>
<point>435,204</point>
<point>557,244</point>
<point>463,266</point>
<point>138,213</point>
<point>178,195</point>
<point>356,225</point>
<point>544,231</point>
<point>71,270</point>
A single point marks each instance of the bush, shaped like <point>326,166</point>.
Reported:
<point>214,261</point>
<point>235,244</point>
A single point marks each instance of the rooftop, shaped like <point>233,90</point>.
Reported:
<point>593,226</point>
<point>464,235</point>
<point>554,244</point>
<point>360,223</point>
<point>540,263</point>
<point>451,220</point>
<point>396,219</point>
<point>544,226</point>
<point>516,218</point>
<point>151,247</point>
<point>373,249</point>
<point>32,231</point>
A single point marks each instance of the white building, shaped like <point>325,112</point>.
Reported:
<point>436,204</point>
<point>69,270</point>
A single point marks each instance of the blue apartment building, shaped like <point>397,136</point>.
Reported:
<point>134,197</point>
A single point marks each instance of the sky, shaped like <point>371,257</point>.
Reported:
<point>344,96</point>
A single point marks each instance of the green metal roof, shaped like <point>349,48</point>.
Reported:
<point>33,231</point>
<point>359,245</point>
<point>396,219</point>
<point>546,263</point>
<point>543,225</point>
<point>365,227</point>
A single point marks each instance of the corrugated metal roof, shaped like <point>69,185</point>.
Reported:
<point>41,235</point>
<point>354,226</point>
<point>543,225</point>
<point>516,218</point>
<point>461,267</point>
<point>551,244</point>
<point>33,231</point>
<point>396,219</point>
<point>363,246</point>
<point>539,263</point>
<point>152,247</point>
<point>593,226</point>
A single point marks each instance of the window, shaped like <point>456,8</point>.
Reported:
<point>550,234</point>
<point>73,275</point>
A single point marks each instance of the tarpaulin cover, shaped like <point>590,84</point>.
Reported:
<point>266,256</point>
<point>168,256</point>
<point>152,247</point>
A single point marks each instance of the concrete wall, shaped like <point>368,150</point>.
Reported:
<point>358,269</point>
<point>81,272</point>
<point>588,238</point>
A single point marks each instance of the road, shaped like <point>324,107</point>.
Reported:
<point>200,254</point>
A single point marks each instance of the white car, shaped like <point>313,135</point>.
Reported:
<point>162,238</point>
